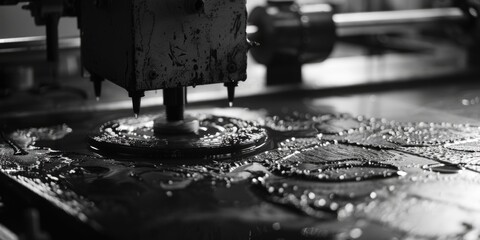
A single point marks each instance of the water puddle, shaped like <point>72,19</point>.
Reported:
<point>290,126</point>
<point>384,134</point>
<point>444,168</point>
<point>466,146</point>
<point>338,124</point>
<point>428,134</point>
<point>322,200</point>
<point>326,152</point>
<point>336,163</point>
<point>445,155</point>
<point>307,125</point>
<point>339,171</point>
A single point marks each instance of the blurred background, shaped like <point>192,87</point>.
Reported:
<point>401,54</point>
<point>16,22</point>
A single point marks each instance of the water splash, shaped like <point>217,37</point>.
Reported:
<point>28,137</point>
<point>218,137</point>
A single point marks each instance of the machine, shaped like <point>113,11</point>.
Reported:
<point>78,165</point>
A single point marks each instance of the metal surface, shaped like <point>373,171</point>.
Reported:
<point>285,30</point>
<point>347,23</point>
<point>432,61</point>
<point>289,37</point>
<point>308,32</point>
<point>125,199</point>
<point>391,21</point>
<point>156,45</point>
<point>291,34</point>
<point>38,42</point>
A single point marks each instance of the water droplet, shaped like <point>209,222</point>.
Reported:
<point>276,226</point>
<point>356,233</point>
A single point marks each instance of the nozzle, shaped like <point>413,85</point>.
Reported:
<point>136,101</point>
<point>51,27</point>
<point>97,85</point>
<point>174,101</point>
<point>231,92</point>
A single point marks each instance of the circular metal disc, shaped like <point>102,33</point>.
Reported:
<point>217,137</point>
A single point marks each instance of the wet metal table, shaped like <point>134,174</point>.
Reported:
<point>382,165</point>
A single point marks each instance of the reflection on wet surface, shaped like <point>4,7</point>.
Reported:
<point>216,137</point>
<point>325,177</point>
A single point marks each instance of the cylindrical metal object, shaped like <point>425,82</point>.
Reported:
<point>136,101</point>
<point>388,21</point>
<point>285,29</point>
<point>309,31</point>
<point>52,37</point>
<point>174,101</point>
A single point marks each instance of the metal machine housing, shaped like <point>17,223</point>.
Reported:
<point>149,44</point>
